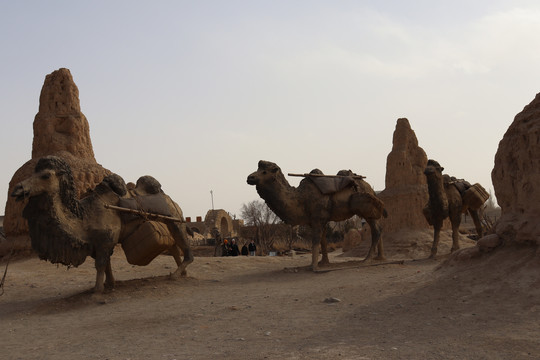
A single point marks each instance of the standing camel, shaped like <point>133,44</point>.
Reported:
<point>307,205</point>
<point>66,230</point>
<point>445,200</point>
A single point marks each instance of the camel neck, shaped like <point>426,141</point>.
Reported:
<point>282,199</point>
<point>436,189</point>
<point>53,232</point>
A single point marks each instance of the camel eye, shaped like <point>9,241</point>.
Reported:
<point>45,176</point>
<point>264,172</point>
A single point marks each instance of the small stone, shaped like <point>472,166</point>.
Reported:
<point>331,300</point>
<point>489,242</point>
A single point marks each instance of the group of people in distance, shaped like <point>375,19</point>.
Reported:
<point>230,248</point>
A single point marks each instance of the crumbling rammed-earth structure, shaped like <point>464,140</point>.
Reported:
<point>60,129</point>
<point>516,178</point>
<point>405,192</point>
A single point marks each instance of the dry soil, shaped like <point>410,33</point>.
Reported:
<point>274,308</point>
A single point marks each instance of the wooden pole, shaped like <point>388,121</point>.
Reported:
<point>331,176</point>
<point>143,213</point>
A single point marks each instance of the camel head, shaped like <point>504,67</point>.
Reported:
<point>432,168</point>
<point>52,175</point>
<point>266,173</point>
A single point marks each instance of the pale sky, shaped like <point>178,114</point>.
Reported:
<point>195,93</point>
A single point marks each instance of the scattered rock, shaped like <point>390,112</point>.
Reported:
<point>467,253</point>
<point>489,242</point>
<point>331,300</point>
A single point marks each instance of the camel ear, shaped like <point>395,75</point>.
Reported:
<point>442,169</point>
<point>274,170</point>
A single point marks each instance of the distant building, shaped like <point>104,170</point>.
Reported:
<point>219,220</point>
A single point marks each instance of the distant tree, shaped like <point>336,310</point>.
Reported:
<point>291,236</point>
<point>257,214</point>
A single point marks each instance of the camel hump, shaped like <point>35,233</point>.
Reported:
<point>115,183</point>
<point>346,173</point>
<point>147,185</point>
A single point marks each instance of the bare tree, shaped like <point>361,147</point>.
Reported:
<point>257,214</point>
<point>291,235</point>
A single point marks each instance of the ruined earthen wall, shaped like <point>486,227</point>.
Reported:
<point>405,194</point>
<point>60,129</point>
<point>516,178</point>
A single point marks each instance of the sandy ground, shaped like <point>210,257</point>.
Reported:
<point>273,308</point>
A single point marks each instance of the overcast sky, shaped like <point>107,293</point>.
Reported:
<point>194,93</point>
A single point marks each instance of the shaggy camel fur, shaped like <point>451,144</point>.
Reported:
<point>306,205</point>
<point>445,200</point>
<point>66,230</point>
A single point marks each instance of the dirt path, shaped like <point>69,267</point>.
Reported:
<point>251,308</point>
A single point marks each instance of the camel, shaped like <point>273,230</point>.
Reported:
<point>445,200</point>
<point>66,230</point>
<point>307,205</point>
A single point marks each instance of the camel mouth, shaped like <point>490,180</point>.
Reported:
<point>429,171</point>
<point>19,194</point>
<point>251,180</point>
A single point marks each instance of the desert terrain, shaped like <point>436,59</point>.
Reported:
<point>274,308</point>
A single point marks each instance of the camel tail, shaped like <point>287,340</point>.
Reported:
<point>385,213</point>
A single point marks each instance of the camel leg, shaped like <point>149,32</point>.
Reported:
<point>437,225</point>
<point>380,248</point>
<point>100,276</point>
<point>455,219</point>
<point>324,249</point>
<point>181,269</point>
<point>315,256</point>
<point>376,231</point>
<point>455,237</point>
<point>109,277</point>
<point>181,241</point>
<point>477,224</point>
<point>317,233</point>
<point>103,260</point>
